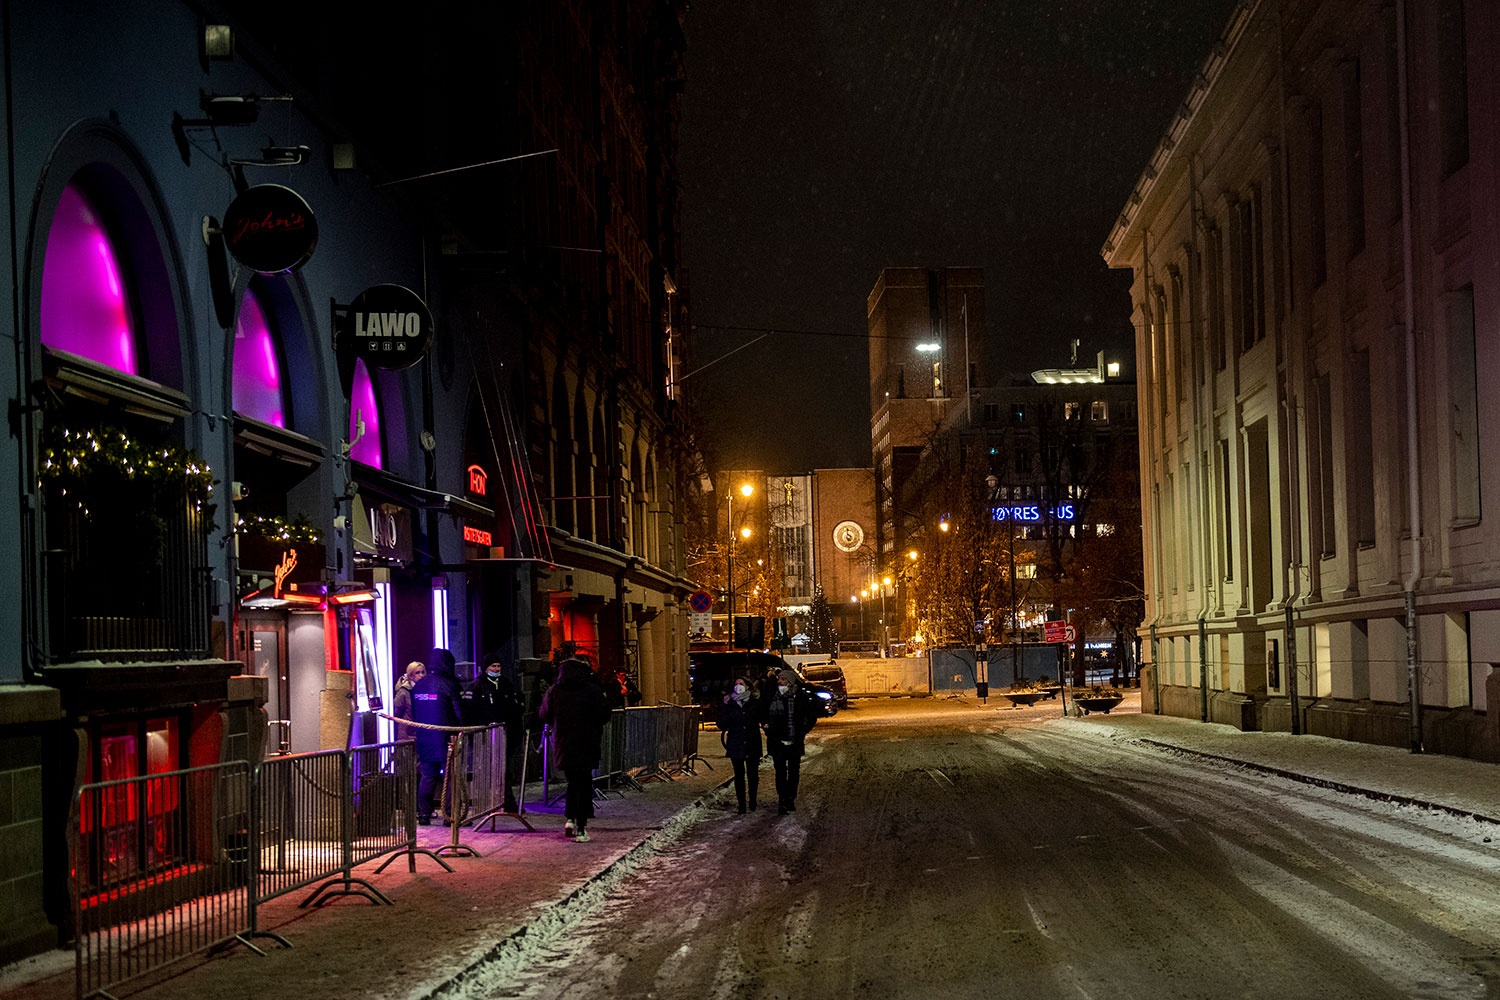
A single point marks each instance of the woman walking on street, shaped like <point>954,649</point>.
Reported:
<point>789,717</point>
<point>577,710</point>
<point>739,718</point>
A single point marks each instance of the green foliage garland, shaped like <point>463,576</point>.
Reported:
<point>299,531</point>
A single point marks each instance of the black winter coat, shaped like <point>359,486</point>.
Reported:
<point>789,718</point>
<point>577,710</point>
<point>436,699</point>
<point>741,725</point>
<point>488,702</point>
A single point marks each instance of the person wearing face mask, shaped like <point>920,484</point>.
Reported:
<point>739,718</point>
<point>491,699</point>
<point>788,720</point>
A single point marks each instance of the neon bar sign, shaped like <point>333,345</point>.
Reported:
<point>478,536</point>
<point>477,480</point>
<point>1032,512</point>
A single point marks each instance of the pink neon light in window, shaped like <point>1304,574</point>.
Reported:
<point>257,371</point>
<point>362,406</point>
<point>84,308</point>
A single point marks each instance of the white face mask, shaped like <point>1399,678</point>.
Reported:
<point>740,690</point>
<point>782,688</point>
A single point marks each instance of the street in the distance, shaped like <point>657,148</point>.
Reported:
<point>939,849</point>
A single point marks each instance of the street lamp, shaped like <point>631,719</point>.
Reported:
<point>994,498</point>
<point>885,641</point>
<point>745,491</point>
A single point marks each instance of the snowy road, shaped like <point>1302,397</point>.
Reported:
<point>951,852</point>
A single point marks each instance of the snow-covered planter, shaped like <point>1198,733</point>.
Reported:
<point>1098,699</point>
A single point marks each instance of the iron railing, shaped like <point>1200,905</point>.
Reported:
<point>121,594</point>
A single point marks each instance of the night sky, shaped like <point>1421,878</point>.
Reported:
<point>824,141</point>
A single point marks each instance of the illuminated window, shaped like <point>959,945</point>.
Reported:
<point>363,406</point>
<point>85,307</point>
<point>257,367</point>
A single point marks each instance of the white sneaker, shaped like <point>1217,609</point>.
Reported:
<point>568,828</point>
<point>582,838</point>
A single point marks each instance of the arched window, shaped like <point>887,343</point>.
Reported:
<point>363,405</point>
<point>85,307</point>
<point>257,381</point>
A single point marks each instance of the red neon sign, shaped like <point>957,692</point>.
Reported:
<point>477,478</point>
<point>478,536</point>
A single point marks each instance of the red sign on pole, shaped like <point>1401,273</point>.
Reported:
<point>1057,632</point>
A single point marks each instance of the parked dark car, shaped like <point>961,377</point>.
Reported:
<point>710,676</point>
<point>831,676</point>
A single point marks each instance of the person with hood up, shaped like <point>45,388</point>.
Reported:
<point>576,708</point>
<point>789,718</point>
<point>739,718</point>
<point>437,700</point>
<point>401,702</point>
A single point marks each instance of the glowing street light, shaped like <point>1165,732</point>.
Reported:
<point>746,490</point>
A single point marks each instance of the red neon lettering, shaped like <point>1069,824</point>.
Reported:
<point>477,536</point>
<point>250,227</point>
<point>477,480</point>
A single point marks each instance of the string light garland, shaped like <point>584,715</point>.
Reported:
<point>84,461</point>
<point>299,531</point>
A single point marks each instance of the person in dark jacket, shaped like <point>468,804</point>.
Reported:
<point>789,717</point>
<point>740,720</point>
<point>576,709</point>
<point>492,700</point>
<point>437,700</point>
<point>401,702</point>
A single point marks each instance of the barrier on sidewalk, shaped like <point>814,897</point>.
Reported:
<point>161,870</point>
<point>299,832</point>
<point>175,863</point>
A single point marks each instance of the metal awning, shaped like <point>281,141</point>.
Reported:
<point>395,490</point>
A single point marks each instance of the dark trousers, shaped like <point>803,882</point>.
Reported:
<point>788,767</point>
<point>578,805</point>
<point>746,770</point>
<point>429,785</point>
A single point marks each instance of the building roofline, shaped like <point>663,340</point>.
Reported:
<point>1182,119</point>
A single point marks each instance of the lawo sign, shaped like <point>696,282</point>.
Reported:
<point>388,326</point>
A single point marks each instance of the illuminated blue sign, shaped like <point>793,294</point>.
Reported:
<point>1032,512</point>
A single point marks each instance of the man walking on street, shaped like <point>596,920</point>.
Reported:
<point>789,718</point>
<point>577,710</point>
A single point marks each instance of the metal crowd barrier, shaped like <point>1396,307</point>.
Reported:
<point>161,871</point>
<point>300,829</point>
<point>171,864</point>
<point>484,753</point>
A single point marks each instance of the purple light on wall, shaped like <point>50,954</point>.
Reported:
<point>257,371</point>
<point>84,309</point>
<point>362,406</point>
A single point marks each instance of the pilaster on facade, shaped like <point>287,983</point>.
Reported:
<point>1319,235</point>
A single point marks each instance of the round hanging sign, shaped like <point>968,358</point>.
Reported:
<point>269,228</point>
<point>389,326</point>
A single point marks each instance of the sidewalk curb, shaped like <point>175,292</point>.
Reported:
<point>551,921</point>
<point>1337,786</point>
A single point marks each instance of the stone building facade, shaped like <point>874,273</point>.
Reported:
<point>1316,262</point>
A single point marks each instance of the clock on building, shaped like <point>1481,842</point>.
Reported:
<point>848,536</point>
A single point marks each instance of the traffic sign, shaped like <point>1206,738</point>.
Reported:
<point>701,601</point>
<point>1058,632</point>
